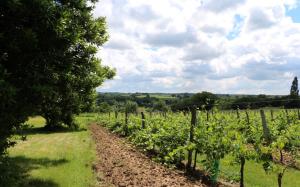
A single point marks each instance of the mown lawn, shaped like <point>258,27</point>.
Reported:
<point>52,159</point>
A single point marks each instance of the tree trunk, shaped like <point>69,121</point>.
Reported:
<point>242,159</point>
<point>51,123</point>
<point>215,174</point>
<point>281,156</point>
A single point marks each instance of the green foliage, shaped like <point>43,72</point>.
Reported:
<point>104,108</point>
<point>48,62</point>
<point>131,107</point>
<point>204,100</point>
<point>160,106</point>
<point>218,134</point>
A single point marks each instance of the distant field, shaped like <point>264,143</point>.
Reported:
<point>142,95</point>
<point>159,96</point>
<point>52,159</point>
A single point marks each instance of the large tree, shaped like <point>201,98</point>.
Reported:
<point>294,88</point>
<point>204,100</point>
<point>48,62</point>
<point>294,95</point>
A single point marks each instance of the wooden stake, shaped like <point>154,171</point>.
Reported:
<point>247,118</point>
<point>143,120</point>
<point>266,130</point>
<point>237,114</point>
<point>272,115</point>
<point>116,114</point>
<point>287,116</point>
<point>126,123</point>
<point>193,124</point>
<point>207,115</point>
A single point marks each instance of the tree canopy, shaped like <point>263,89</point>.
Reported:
<point>48,62</point>
<point>294,88</point>
<point>294,101</point>
<point>204,100</point>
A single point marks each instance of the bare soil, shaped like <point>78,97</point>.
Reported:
<point>122,165</point>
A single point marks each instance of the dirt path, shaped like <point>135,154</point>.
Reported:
<point>122,165</point>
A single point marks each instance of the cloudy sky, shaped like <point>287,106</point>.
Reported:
<point>222,46</point>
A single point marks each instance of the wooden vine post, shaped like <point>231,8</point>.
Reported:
<point>243,161</point>
<point>126,123</point>
<point>266,131</point>
<point>238,114</point>
<point>287,116</point>
<point>116,114</point>
<point>126,117</point>
<point>193,124</point>
<point>196,151</point>
<point>248,118</point>
<point>272,115</point>
<point>143,120</point>
<point>242,158</point>
<point>298,114</point>
<point>207,115</point>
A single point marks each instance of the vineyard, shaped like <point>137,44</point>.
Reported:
<point>219,144</point>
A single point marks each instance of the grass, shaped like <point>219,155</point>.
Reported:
<point>255,175</point>
<point>61,158</point>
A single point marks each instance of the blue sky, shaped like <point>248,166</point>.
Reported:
<point>228,46</point>
<point>294,14</point>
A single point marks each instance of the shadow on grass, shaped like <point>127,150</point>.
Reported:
<point>14,171</point>
<point>43,130</point>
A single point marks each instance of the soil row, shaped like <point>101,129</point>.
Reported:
<point>122,165</point>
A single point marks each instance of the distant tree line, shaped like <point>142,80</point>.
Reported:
<point>112,99</point>
<point>205,100</point>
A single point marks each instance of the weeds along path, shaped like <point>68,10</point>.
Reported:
<point>122,165</point>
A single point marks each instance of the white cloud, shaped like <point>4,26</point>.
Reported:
<point>259,18</point>
<point>170,39</point>
<point>219,6</point>
<point>228,46</point>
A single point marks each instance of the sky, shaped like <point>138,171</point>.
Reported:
<point>221,46</point>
